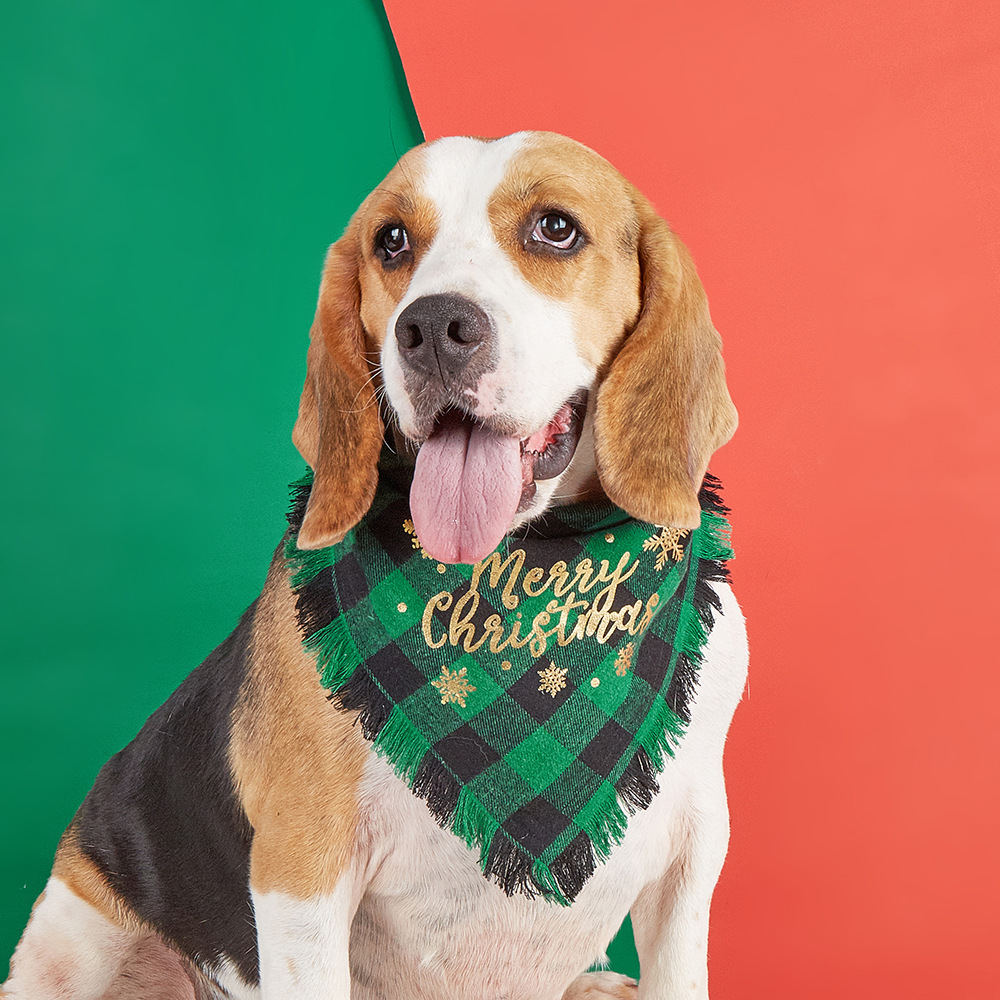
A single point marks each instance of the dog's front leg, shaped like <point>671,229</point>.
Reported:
<point>303,925</point>
<point>670,916</point>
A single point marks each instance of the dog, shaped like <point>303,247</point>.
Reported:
<point>518,323</point>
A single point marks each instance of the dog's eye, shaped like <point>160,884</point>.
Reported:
<point>391,241</point>
<point>556,230</point>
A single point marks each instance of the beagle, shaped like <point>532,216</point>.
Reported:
<point>515,317</point>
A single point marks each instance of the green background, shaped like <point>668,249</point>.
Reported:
<point>171,176</point>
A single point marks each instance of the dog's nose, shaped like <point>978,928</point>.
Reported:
<point>439,334</point>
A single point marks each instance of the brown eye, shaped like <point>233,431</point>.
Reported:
<point>391,241</point>
<point>556,230</point>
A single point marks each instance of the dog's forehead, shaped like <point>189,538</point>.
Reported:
<point>461,176</point>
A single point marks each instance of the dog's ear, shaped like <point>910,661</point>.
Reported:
<point>664,407</point>
<point>338,430</point>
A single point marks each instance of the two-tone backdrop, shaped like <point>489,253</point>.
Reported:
<point>170,177</point>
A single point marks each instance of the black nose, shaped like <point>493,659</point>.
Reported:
<point>439,334</point>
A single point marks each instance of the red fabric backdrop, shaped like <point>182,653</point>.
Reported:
<point>833,168</point>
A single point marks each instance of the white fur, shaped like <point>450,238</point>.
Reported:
<point>231,985</point>
<point>71,951</point>
<point>68,949</point>
<point>303,943</point>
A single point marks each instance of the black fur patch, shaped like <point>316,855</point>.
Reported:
<point>164,825</point>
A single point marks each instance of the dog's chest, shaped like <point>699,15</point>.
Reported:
<point>430,925</point>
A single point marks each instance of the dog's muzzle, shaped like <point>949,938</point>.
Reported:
<point>471,475</point>
<point>445,338</point>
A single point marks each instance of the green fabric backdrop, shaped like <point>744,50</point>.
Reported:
<point>171,176</point>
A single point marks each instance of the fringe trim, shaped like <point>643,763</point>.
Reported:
<point>439,788</point>
<point>573,867</point>
<point>336,655</point>
<point>637,785</point>
<point>454,806</point>
<point>298,493</point>
<point>361,694</point>
<point>512,869</point>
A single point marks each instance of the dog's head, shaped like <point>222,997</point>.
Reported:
<point>534,331</point>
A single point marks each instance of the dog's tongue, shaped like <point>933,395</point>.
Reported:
<point>466,487</point>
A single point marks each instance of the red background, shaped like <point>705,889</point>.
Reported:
<point>833,168</point>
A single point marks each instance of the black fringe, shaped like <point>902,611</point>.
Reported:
<point>363,695</point>
<point>710,495</point>
<point>682,686</point>
<point>574,866</point>
<point>438,788</point>
<point>706,601</point>
<point>637,785</point>
<point>298,493</point>
<point>316,603</point>
<point>510,867</point>
<point>706,604</point>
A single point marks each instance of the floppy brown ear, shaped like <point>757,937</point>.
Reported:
<point>664,407</point>
<point>338,430</point>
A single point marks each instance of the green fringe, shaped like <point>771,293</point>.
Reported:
<point>306,563</point>
<point>543,876</point>
<point>473,824</point>
<point>401,742</point>
<point>604,821</point>
<point>337,657</point>
<point>714,537</point>
<point>660,734</point>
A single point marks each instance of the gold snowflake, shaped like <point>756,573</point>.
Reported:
<point>667,545</point>
<point>553,679</point>
<point>414,541</point>
<point>624,661</point>
<point>453,685</point>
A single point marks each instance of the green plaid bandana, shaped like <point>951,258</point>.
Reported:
<point>530,699</point>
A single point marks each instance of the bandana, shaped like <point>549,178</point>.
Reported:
<point>531,699</point>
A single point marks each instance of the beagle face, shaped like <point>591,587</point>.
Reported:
<point>528,320</point>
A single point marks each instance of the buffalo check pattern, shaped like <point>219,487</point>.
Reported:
<point>533,757</point>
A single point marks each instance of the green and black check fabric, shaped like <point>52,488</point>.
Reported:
<point>531,756</point>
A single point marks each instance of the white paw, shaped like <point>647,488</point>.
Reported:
<point>600,986</point>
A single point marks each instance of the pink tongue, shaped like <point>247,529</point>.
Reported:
<point>466,487</point>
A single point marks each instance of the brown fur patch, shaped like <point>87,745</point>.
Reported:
<point>297,761</point>
<point>601,280</point>
<point>397,199</point>
<point>339,429</point>
<point>664,407</point>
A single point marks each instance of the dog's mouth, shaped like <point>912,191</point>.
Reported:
<point>470,479</point>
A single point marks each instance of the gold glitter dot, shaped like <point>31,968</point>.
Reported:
<point>505,665</point>
<point>441,568</point>
<point>401,607</point>
<point>609,538</point>
<point>595,682</point>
